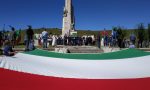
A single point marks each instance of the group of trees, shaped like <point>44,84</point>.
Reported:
<point>121,35</point>
<point>142,35</point>
<point>149,33</point>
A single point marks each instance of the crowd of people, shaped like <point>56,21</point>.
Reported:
<point>113,40</point>
<point>9,39</point>
<point>13,37</point>
<point>103,39</point>
<point>46,39</point>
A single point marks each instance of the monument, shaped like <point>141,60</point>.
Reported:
<point>68,19</point>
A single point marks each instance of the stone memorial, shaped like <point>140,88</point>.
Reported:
<point>68,19</point>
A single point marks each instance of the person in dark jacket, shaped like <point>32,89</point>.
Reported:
<point>29,37</point>
<point>1,38</point>
<point>99,40</point>
<point>8,51</point>
<point>132,38</point>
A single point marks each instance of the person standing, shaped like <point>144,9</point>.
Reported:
<point>29,37</point>
<point>18,36</point>
<point>45,37</point>
<point>39,40</point>
<point>102,42</point>
<point>12,36</point>
<point>65,39</point>
<point>99,40</point>
<point>54,40</point>
<point>132,38</point>
<point>1,38</point>
<point>114,38</point>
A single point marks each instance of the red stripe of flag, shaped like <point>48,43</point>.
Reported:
<point>12,80</point>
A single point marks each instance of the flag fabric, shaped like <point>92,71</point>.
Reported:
<point>42,70</point>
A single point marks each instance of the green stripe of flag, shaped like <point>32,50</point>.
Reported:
<point>129,53</point>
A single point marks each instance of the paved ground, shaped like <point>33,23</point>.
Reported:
<point>107,49</point>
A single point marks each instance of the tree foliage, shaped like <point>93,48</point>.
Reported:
<point>141,32</point>
<point>121,34</point>
<point>149,32</point>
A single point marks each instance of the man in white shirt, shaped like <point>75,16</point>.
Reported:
<point>45,37</point>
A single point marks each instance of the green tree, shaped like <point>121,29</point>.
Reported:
<point>141,35</point>
<point>149,33</point>
<point>121,36</point>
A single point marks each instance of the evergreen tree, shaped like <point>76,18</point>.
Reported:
<point>121,34</point>
<point>149,33</point>
<point>141,34</point>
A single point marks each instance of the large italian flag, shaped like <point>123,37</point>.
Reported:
<point>42,70</point>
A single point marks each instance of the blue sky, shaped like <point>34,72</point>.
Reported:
<point>90,14</point>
